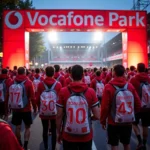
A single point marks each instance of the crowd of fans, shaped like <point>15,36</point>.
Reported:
<point>67,101</point>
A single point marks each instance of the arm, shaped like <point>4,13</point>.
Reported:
<point>32,95</point>
<point>8,84</point>
<point>60,114</point>
<point>105,105</point>
<point>137,102</point>
<point>59,119</point>
<point>92,84</point>
<point>96,112</point>
<point>94,107</point>
<point>9,140</point>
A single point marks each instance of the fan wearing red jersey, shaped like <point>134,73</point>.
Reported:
<point>58,76</point>
<point>21,95</point>
<point>98,85</point>
<point>14,73</point>
<point>119,104</point>
<point>8,140</point>
<point>69,79</point>
<point>108,76</point>
<point>148,71</point>
<point>141,82</point>
<point>5,83</point>
<point>131,73</point>
<point>74,100</point>
<point>47,96</point>
<point>86,78</point>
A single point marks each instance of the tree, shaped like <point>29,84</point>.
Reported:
<point>36,39</point>
<point>36,44</point>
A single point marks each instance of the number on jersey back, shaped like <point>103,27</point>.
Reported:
<point>87,80</point>
<point>122,109</point>
<point>145,94</point>
<point>99,89</point>
<point>36,82</point>
<point>77,115</point>
<point>2,90</point>
<point>48,101</point>
<point>17,96</point>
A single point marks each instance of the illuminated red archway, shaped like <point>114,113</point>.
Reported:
<point>18,24</point>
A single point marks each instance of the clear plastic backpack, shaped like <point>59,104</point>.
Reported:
<point>17,95</point>
<point>48,101</point>
<point>122,110</point>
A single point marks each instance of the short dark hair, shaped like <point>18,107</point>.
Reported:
<point>57,68</point>
<point>50,71</point>
<point>85,71</point>
<point>15,67</point>
<point>77,72</point>
<point>21,70</point>
<point>69,69</point>
<point>104,69</point>
<point>98,73</point>
<point>141,67</point>
<point>4,71</point>
<point>95,69</point>
<point>119,70</point>
<point>132,68</point>
<point>37,70</point>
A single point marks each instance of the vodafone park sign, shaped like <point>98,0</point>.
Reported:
<point>18,23</point>
<point>74,19</point>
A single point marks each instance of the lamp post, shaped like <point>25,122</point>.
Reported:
<point>36,64</point>
<point>98,37</point>
<point>53,38</point>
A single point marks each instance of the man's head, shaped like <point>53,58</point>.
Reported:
<point>4,71</point>
<point>69,70</point>
<point>21,71</point>
<point>50,71</point>
<point>132,68</point>
<point>98,73</point>
<point>141,67</point>
<point>85,71</point>
<point>57,68</point>
<point>95,69</point>
<point>77,72</point>
<point>37,70</point>
<point>118,70</point>
<point>15,67</point>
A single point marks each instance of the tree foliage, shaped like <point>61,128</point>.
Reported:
<point>36,44</point>
<point>36,39</point>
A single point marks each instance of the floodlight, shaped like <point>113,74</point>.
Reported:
<point>98,36</point>
<point>52,36</point>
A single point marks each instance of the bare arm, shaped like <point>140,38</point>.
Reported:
<point>59,119</point>
<point>96,112</point>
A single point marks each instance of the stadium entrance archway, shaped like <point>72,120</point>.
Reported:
<point>17,25</point>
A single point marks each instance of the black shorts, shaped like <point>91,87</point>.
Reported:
<point>119,133</point>
<point>145,118</point>
<point>17,118</point>
<point>2,108</point>
<point>77,145</point>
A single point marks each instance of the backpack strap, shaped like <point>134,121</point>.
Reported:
<point>140,89</point>
<point>77,93</point>
<point>58,77</point>
<point>98,81</point>
<point>52,87</point>
<point>70,78</point>
<point>121,89</point>
<point>3,121</point>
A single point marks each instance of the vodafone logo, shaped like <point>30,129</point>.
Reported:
<point>13,20</point>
